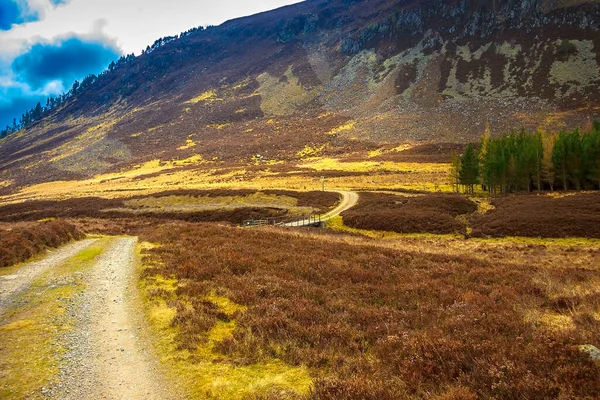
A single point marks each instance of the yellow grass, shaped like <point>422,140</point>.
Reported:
<point>209,96</point>
<point>346,127</point>
<point>310,151</point>
<point>205,203</point>
<point>29,351</point>
<point>204,373</point>
<point>218,126</point>
<point>335,164</point>
<point>189,143</point>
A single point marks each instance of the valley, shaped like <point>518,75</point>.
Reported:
<point>150,237</point>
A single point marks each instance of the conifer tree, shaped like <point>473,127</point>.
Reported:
<point>469,169</point>
<point>455,172</point>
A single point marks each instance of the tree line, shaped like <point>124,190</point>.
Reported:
<point>37,112</point>
<point>519,162</point>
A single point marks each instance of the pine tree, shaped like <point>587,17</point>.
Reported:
<point>469,169</point>
<point>454,175</point>
<point>591,150</point>
<point>548,174</point>
<point>559,159</point>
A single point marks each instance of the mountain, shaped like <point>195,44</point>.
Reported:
<point>337,75</point>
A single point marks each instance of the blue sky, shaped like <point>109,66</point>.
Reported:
<point>45,45</point>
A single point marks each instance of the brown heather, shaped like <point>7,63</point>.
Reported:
<point>559,216</point>
<point>372,322</point>
<point>431,213</point>
<point>101,208</point>
<point>25,240</point>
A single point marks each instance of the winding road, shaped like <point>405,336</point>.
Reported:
<point>349,200</point>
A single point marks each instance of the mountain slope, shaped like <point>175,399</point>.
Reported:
<point>332,76</point>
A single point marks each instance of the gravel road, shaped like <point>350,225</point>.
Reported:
<point>107,357</point>
<point>12,285</point>
<point>349,200</point>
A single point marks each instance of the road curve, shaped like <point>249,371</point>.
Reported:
<point>349,200</point>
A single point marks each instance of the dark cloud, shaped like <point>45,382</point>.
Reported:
<point>11,13</point>
<point>68,60</point>
<point>14,105</point>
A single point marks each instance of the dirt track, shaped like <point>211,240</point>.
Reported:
<point>349,200</point>
<point>107,357</point>
<point>12,285</point>
<point>107,345</point>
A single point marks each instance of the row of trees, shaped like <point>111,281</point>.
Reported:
<point>527,162</point>
<point>36,113</point>
<point>39,110</point>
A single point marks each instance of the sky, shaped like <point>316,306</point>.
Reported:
<point>45,45</point>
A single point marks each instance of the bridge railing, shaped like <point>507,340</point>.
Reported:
<point>308,220</point>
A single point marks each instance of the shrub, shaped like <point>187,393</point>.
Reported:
<point>422,214</point>
<point>23,242</point>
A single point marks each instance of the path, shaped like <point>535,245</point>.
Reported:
<point>107,357</point>
<point>12,285</point>
<point>349,200</point>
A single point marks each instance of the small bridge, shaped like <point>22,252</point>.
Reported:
<point>348,200</point>
<point>309,220</point>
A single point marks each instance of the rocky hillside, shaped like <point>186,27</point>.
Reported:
<point>336,75</point>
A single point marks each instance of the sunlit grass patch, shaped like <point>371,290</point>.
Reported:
<point>218,126</point>
<point>189,143</point>
<point>335,164</point>
<point>552,321</point>
<point>204,372</point>
<point>342,128</point>
<point>310,151</point>
<point>180,203</point>
<point>30,355</point>
<point>209,96</point>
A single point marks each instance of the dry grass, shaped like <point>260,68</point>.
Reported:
<point>410,214</point>
<point>28,240</point>
<point>550,216</point>
<point>372,321</point>
<point>232,206</point>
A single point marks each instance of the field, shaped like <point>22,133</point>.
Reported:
<point>413,293</point>
<point>372,319</point>
<point>432,213</point>
<point>232,206</point>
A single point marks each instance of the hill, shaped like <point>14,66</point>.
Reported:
<point>325,78</point>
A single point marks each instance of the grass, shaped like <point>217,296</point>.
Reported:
<point>342,128</point>
<point>29,351</point>
<point>233,206</point>
<point>189,143</point>
<point>562,217</point>
<point>208,97</point>
<point>408,317</point>
<point>431,213</point>
<point>199,368</point>
<point>329,164</point>
<point>24,241</point>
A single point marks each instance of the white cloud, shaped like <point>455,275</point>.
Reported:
<point>134,23</point>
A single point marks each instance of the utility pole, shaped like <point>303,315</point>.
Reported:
<point>323,183</point>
